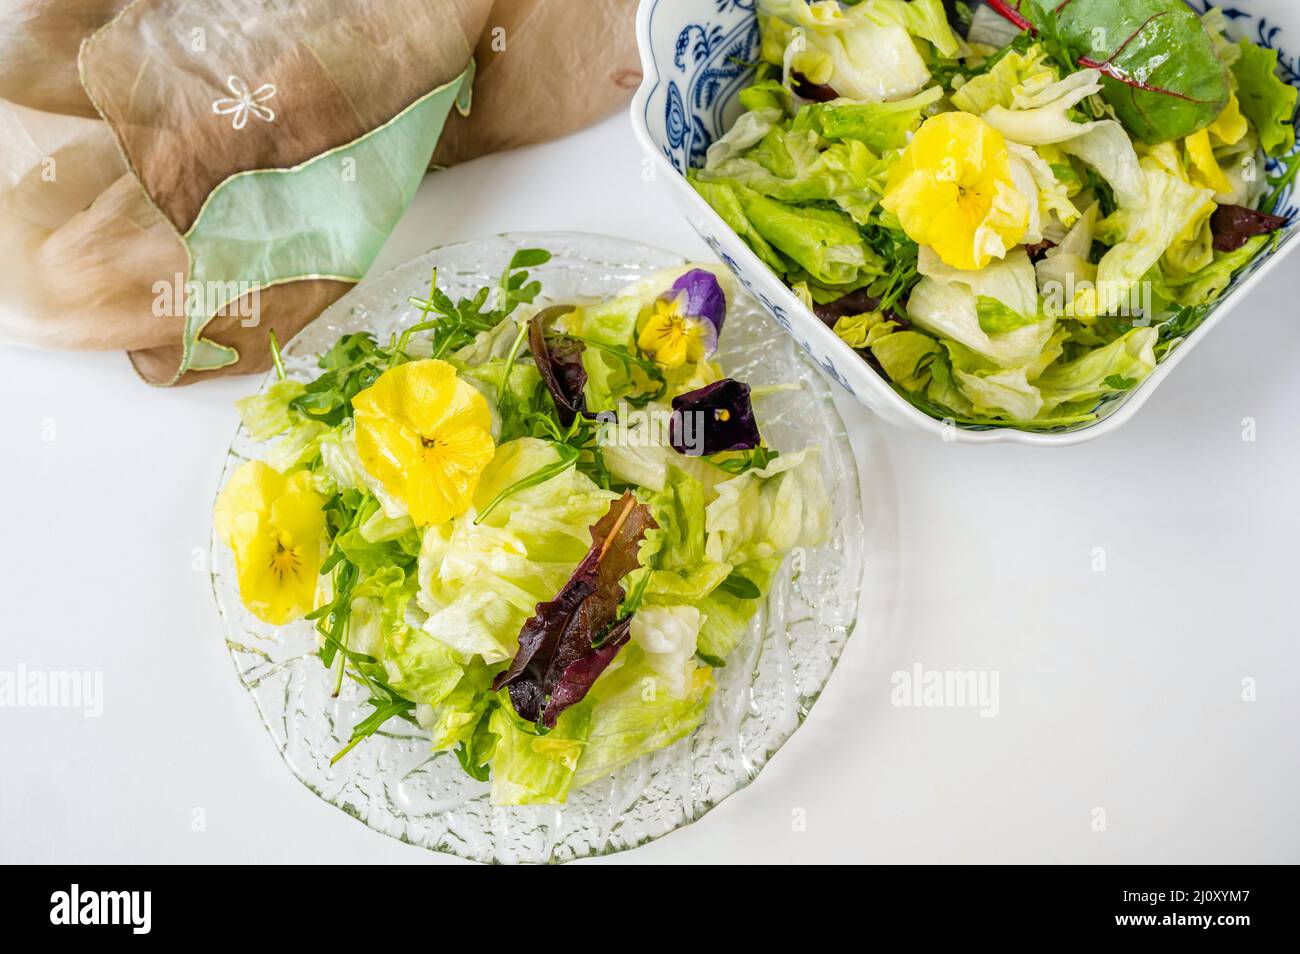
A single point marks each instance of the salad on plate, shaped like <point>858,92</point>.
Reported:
<point>1013,210</point>
<point>532,530</point>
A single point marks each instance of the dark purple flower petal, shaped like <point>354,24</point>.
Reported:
<point>705,299</point>
<point>715,418</point>
<point>558,659</point>
<point>1234,225</point>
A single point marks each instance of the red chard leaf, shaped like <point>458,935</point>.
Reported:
<point>1160,71</point>
<point>569,641</point>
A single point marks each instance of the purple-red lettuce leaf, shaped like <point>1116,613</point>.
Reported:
<point>570,640</point>
<point>1233,226</point>
<point>715,418</point>
<point>857,302</point>
<point>806,89</point>
<point>559,361</point>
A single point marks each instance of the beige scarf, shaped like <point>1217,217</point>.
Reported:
<point>179,177</point>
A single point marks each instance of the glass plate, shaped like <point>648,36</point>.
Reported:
<point>394,784</point>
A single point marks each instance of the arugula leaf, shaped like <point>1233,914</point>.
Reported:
<point>357,360</point>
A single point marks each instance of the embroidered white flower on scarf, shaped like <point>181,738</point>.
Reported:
<point>245,102</point>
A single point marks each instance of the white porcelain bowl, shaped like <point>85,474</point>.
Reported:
<point>693,54</point>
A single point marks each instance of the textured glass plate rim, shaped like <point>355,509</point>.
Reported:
<point>804,704</point>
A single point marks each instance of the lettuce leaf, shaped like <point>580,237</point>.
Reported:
<point>881,127</point>
<point>1162,75</point>
<point>480,581</point>
<point>1267,101</point>
<point>1027,69</point>
<point>860,55</point>
<point>630,715</point>
<point>533,769</point>
<point>667,635</point>
<point>824,243</point>
<point>796,165</point>
<point>725,197</point>
<point>268,414</point>
<point>767,512</point>
<point>1208,284</point>
<point>1172,208</point>
<point>903,355</point>
<point>1118,366</point>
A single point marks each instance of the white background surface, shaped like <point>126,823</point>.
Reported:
<point>1120,690</point>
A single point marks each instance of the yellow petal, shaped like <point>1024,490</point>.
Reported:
<point>274,590</point>
<point>1231,126</point>
<point>426,436</point>
<point>953,190</point>
<point>299,518</point>
<point>250,489</point>
<point>1204,167</point>
<point>416,393</point>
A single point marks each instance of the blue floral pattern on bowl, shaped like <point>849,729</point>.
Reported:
<point>697,55</point>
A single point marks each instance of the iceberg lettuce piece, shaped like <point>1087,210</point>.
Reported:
<point>881,127</point>
<point>1107,148</point>
<point>1209,283</point>
<point>926,19</point>
<point>1010,281</point>
<point>903,355</point>
<point>667,635</point>
<point>1005,391</point>
<point>1172,208</point>
<point>824,243</point>
<point>461,713</point>
<point>747,131</point>
<point>631,716</point>
<point>1016,70</point>
<point>767,512</point>
<point>860,54</point>
<point>1118,366</point>
<point>480,581</point>
<point>725,197</point>
<point>532,769</point>
<point>951,311</point>
<point>268,414</point>
<point>1042,117</point>
<point>728,612</point>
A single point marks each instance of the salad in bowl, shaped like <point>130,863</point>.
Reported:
<point>530,533</point>
<point>1014,210</point>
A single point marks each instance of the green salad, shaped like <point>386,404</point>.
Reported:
<point>535,532</point>
<point>1013,214</point>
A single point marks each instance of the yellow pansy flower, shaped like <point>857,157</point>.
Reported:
<point>276,528</point>
<point>426,436</point>
<point>952,190</point>
<point>672,337</point>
